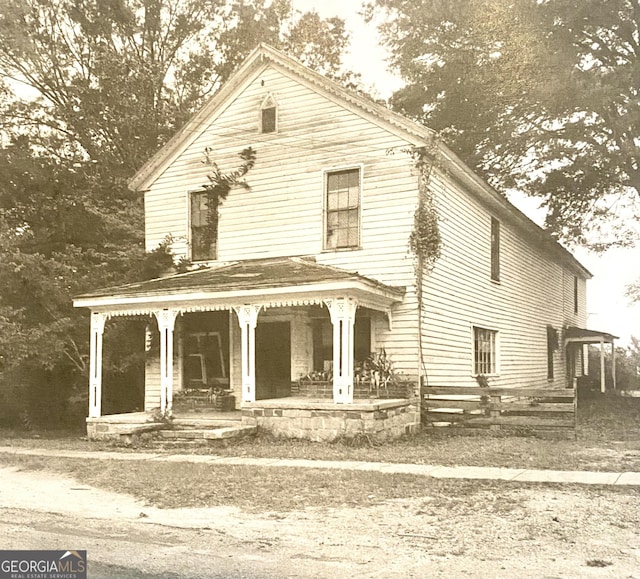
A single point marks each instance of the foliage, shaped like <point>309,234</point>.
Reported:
<point>627,366</point>
<point>89,90</point>
<point>220,185</point>
<point>425,240</point>
<point>538,95</point>
<point>378,371</point>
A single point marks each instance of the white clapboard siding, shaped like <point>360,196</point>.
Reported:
<point>282,215</point>
<point>459,294</point>
<point>282,212</point>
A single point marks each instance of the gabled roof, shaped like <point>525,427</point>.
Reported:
<point>256,280</point>
<point>263,56</point>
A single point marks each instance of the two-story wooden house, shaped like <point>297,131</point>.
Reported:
<point>313,266</point>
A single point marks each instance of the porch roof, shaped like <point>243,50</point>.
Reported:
<point>269,282</point>
<point>584,336</point>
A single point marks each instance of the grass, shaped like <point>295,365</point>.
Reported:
<point>265,489</point>
<point>608,439</point>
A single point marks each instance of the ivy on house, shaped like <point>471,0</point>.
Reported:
<point>220,184</point>
<point>425,241</point>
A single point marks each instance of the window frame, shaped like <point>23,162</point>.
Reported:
<point>214,249</point>
<point>326,173</point>
<point>495,249</point>
<point>494,361</point>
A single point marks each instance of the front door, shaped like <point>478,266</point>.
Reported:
<point>273,360</point>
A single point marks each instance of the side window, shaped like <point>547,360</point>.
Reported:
<point>203,237</point>
<point>495,249</point>
<point>269,115</point>
<point>342,215</point>
<point>485,354</point>
<point>575,294</point>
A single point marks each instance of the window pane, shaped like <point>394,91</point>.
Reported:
<point>343,201</point>
<point>484,351</point>
<point>269,120</point>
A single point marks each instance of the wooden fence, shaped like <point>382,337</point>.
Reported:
<point>521,411</point>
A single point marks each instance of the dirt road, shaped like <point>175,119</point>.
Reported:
<point>552,532</point>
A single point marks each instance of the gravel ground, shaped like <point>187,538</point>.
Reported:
<point>542,531</point>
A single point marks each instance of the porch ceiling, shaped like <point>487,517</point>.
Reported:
<point>267,282</point>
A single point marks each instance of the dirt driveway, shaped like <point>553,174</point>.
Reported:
<point>543,531</point>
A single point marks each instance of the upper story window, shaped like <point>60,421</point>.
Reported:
<point>575,294</point>
<point>342,223</point>
<point>485,353</point>
<point>269,115</point>
<point>203,237</point>
<point>495,249</point>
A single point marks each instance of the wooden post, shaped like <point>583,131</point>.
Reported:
<point>494,412</point>
<point>248,319</point>
<point>343,316</point>
<point>613,363</point>
<point>98,320</point>
<point>602,373</point>
<point>166,321</point>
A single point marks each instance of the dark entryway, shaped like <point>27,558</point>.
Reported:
<point>273,360</point>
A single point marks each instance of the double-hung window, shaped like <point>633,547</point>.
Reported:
<point>342,222</point>
<point>204,236</point>
<point>485,353</point>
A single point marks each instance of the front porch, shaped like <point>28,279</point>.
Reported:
<point>254,337</point>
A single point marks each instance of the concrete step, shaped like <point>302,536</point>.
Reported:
<point>204,423</point>
<point>206,434</point>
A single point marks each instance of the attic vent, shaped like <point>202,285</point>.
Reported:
<point>268,115</point>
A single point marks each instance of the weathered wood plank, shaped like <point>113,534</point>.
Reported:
<point>519,392</point>
<point>527,421</point>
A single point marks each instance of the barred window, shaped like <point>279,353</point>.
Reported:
<point>484,351</point>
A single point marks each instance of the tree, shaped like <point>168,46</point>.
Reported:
<point>539,95</point>
<point>89,89</point>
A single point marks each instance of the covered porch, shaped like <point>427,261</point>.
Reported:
<point>580,338</point>
<point>270,323</point>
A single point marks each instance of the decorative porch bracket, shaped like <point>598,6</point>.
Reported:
<point>166,322</point>
<point>343,316</point>
<point>248,319</point>
<point>98,320</point>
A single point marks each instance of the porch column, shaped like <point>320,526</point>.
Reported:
<point>166,322</point>
<point>343,316</point>
<point>248,319</point>
<point>98,320</point>
<point>602,374</point>
<point>613,364</point>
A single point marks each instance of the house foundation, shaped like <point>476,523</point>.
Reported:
<point>324,421</point>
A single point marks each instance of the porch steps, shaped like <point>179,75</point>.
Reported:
<point>204,434</point>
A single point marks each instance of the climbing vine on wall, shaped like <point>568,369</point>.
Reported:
<point>220,184</point>
<point>425,241</point>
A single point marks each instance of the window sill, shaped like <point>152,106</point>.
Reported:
<point>342,249</point>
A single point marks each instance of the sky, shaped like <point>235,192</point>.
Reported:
<point>608,309</point>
